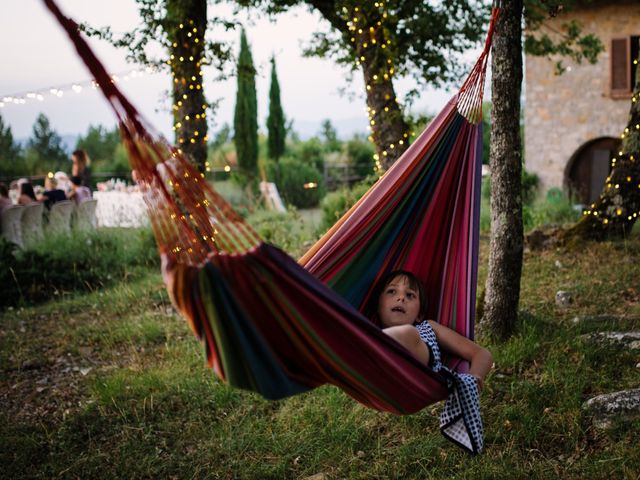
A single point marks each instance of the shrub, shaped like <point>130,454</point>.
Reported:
<point>82,261</point>
<point>530,183</point>
<point>232,192</point>
<point>360,153</point>
<point>310,152</point>
<point>292,176</point>
<point>555,208</point>
<point>336,204</point>
<point>286,230</point>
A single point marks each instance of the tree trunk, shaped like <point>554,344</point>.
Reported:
<point>187,55</point>
<point>374,52</point>
<point>505,256</point>
<point>389,131</point>
<point>617,208</point>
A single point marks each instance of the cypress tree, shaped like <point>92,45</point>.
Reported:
<point>275,120</point>
<point>245,121</point>
<point>10,152</point>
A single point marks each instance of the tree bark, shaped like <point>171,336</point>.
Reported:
<point>617,208</point>
<point>187,56</point>
<point>506,245</point>
<point>366,34</point>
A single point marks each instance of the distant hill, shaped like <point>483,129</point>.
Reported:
<point>346,127</point>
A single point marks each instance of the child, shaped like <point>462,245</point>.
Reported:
<point>79,192</point>
<point>401,312</point>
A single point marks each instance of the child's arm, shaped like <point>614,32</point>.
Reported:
<point>480,358</point>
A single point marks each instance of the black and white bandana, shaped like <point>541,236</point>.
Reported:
<point>460,419</point>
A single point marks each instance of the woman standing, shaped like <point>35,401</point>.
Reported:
<point>80,167</point>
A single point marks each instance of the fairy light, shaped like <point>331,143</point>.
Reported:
<point>188,124</point>
<point>368,34</point>
<point>58,91</point>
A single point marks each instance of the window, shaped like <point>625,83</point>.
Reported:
<point>624,64</point>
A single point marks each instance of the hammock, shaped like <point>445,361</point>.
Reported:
<point>278,327</point>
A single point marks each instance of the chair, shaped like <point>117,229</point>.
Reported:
<point>84,217</point>
<point>60,217</point>
<point>32,223</point>
<point>11,224</point>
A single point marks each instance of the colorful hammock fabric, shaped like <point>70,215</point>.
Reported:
<point>278,327</point>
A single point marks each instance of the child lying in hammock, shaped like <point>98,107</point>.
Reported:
<point>401,310</point>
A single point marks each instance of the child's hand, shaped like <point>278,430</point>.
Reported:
<point>168,266</point>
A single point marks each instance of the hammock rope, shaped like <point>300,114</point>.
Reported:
<point>270,325</point>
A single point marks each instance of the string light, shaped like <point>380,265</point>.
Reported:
<point>190,85</point>
<point>58,91</point>
<point>366,35</point>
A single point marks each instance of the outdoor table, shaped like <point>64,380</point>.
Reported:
<point>120,209</point>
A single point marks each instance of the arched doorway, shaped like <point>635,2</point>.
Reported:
<point>588,169</point>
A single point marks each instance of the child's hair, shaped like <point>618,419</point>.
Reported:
<point>76,180</point>
<point>4,192</point>
<point>414,283</point>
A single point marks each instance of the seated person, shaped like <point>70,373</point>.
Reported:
<point>79,193</point>
<point>63,181</point>
<point>27,195</point>
<point>5,201</point>
<point>52,193</point>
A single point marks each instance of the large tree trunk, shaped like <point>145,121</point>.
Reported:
<point>389,130</point>
<point>505,256</point>
<point>617,208</point>
<point>187,55</point>
<point>366,33</point>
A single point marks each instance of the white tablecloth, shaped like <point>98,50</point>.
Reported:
<point>120,209</point>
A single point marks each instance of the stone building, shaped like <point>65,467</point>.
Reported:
<point>573,121</point>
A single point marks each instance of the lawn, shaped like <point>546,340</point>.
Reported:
<point>112,384</point>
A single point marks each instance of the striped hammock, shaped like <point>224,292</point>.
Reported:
<point>278,327</point>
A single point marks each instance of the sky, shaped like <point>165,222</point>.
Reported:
<point>37,55</point>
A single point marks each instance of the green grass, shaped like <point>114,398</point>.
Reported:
<point>112,384</point>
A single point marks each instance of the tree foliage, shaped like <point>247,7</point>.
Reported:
<point>330,135</point>
<point>10,152</point>
<point>276,124</point>
<point>178,27</point>
<point>157,29</point>
<point>569,42</point>
<point>245,121</point>
<point>99,143</point>
<point>44,152</point>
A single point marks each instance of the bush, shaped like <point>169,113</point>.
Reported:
<point>360,153</point>
<point>310,152</point>
<point>292,175</point>
<point>555,208</point>
<point>337,203</point>
<point>82,261</point>
<point>232,192</point>
<point>530,183</point>
<point>285,230</point>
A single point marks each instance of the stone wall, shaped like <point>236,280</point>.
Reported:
<point>563,112</point>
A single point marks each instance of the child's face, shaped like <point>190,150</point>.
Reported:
<point>399,304</point>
